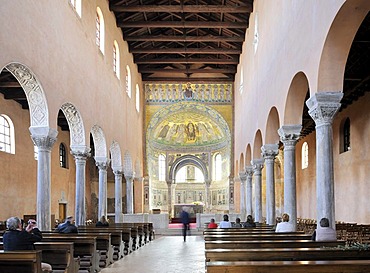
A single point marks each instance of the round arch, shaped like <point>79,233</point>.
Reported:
<point>75,123</point>
<point>188,160</point>
<point>115,151</point>
<point>99,142</point>
<point>248,155</point>
<point>272,127</point>
<point>257,145</point>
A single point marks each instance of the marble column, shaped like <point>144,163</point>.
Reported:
<point>80,155</point>
<point>231,195</point>
<point>257,165</point>
<point>269,152</point>
<point>102,206</point>
<point>169,199</point>
<point>322,108</point>
<point>44,138</point>
<point>289,135</point>
<point>249,197</point>
<point>243,178</point>
<point>146,194</point>
<point>118,215</point>
<point>129,193</point>
<point>208,196</point>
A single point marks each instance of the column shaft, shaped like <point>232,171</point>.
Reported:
<point>169,200</point>
<point>102,207</point>
<point>118,216</point>
<point>257,169</point>
<point>249,195</point>
<point>243,178</point>
<point>129,194</point>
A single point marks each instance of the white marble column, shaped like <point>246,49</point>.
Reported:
<point>249,197</point>
<point>269,152</point>
<point>146,194</point>
<point>44,138</point>
<point>289,135</point>
<point>118,215</point>
<point>243,178</point>
<point>231,195</point>
<point>80,154</point>
<point>169,199</point>
<point>129,193</point>
<point>257,171</point>
<point>208,196</point>
<point>322,108</point>
<point>102,209</point>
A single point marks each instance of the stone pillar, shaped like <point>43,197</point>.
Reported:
<point>249,197</point>
<point>146,196</point>
<point>243,178</point>
<point>102,207</point>
<point>80,154</point>
<point>289,135</point>
<point>118,215</point>
<point>208,196</point>
<point>269,152</point>
<point>257,165</point>
<point>322,108</point>
<point>130,193</point>
<point>169,199</point>
<point>231,195</point>
<point>44,138</point>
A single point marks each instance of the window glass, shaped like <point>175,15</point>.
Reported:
<point>7,138</point>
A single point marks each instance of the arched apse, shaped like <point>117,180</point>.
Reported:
<point>115,152</point>
<point>35,94</point>
<point>248,155</point>
<point>295,101</point>
<point>127,164</point>
<point>75,123</point>
<point>99,143</point>
<point>188,160</point>
<point>272,126</point>
<point>338,43</point>
<point>257,144</point>
<point>242,166</point>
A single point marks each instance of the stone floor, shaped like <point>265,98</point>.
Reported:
<point>166,254</point>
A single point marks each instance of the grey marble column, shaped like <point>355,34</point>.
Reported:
<point>231,195</point>
<point>257,165</point>
<point>269,152</point>
<point>169,199</point>
<point>102,209</point>
<point>44,138</point>
<point>129,193</point>
<point>243,178</point>
<point>289,135</point>
<point>118,215</point>
<point>249,197</point>
<point>146,194</point>
<point>322,108</point>
<point>208,195</point>
<point>80,155</point>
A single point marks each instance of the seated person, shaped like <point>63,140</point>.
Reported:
<point>102,223</point>
<point>237,223</point>
<point>324,232</point>
<point>67,226</point>
<point>284,226</point>
<point>225,223</point>
<point>250,222</point>
<point>17,238</point>
<point>212,224</point>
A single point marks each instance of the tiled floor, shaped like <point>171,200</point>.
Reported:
<point>167,254</point>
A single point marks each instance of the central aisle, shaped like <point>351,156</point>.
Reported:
<point>167,254</point>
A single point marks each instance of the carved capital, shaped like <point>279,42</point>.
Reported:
<point>242,176</point>
<point>81,152</point>
<point>289,134</point>
<point>270,151</point>
<point>102,165</point>
<point>118,173</point>
<point>43,137</point>
<point>257,165</point>
<point>323,107</point>
<point>249,171</point>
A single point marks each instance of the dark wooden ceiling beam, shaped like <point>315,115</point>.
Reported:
<point>164,38</point>
<point>181,24</point>
<point>186,50</point>
<point>182,8</point>
<point>9,84</point>
<point>186,71</point>
<point>186,60</point>
<point>186,79</point>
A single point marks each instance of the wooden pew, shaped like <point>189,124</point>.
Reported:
<point>249,232</point>
<point>285,254</point>
<point>253,237</point>
<point>20,261</point>
<point>60,255</point>
<point>348,266</point>
<point>242,230</point>
<point>270,244</point>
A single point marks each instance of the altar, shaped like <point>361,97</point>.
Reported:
<point>192,209</point>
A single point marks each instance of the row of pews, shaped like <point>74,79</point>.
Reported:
<point>261,250</point>
<point>92,249</point>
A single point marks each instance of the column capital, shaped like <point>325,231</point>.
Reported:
<point>43,137</point>
<point>249,170</point>
<point>118,172</point>
<point>129,176</point>
<point>289,134</point>
<point>270,151</point>
<point>169,182</point>
<point>323,106</point>
<point>243,176</point>
<point>257,164</point>
<point>81,153</point>
<point>102,165</point>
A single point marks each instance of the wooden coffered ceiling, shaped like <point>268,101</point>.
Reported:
<point>184,40</point>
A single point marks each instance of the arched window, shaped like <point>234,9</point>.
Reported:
<point>218,167</point>
<point>76,4</point>
<point>346,135</point>
<point>116,61</point>
<point>137,98</point>
<point>304,155</point>
<point>189,174</point>
<point>7,139</point>
<point>100,29</point>
<point>128,81</point>
<point>62,155</point>
<point>161,167</point>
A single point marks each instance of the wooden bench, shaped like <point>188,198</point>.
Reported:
<point>249,232</point>
<point>270,244</point>
<point>253,237</point>
<point>20,261</point>
<point>348,266</point>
